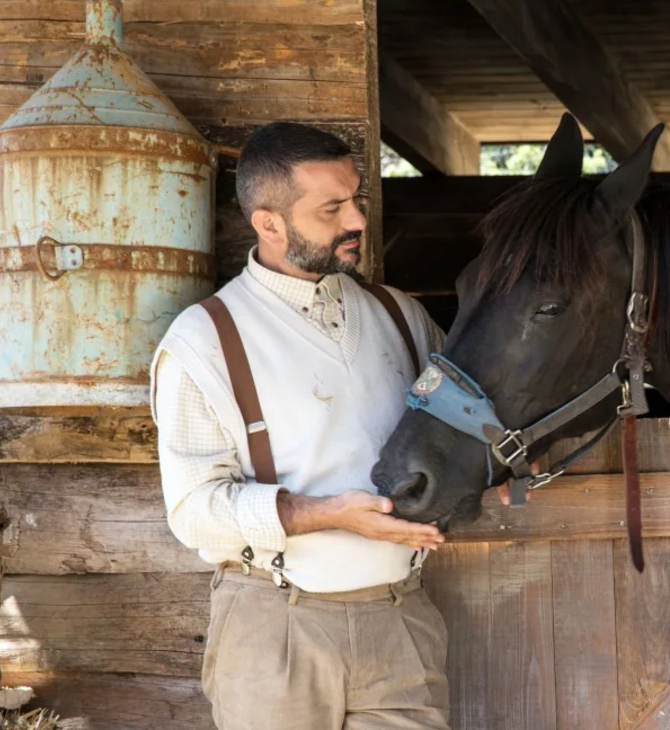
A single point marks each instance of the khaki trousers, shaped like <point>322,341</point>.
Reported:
<point>282,659</point>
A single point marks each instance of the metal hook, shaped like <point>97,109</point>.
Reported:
<point>68,257</point>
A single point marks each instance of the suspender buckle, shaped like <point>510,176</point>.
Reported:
<point>256,427</point>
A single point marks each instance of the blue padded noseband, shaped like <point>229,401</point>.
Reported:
<point>446,392</point>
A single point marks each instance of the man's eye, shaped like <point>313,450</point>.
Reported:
<point>550,309</point>
<point>332,210</point>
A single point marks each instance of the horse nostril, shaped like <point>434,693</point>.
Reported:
<point>412,488</point>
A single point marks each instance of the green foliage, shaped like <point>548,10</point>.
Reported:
<point>393,165</point>
<point>524,159</point>
<point>503,159</point>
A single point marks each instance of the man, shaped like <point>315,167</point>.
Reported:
<point>346,637</point>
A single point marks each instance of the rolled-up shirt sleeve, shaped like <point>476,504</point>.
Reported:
<point>210,504</point>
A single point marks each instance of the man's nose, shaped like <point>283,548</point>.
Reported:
<point>355,219</point>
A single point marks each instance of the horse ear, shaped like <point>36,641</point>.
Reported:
<point>565,152</point>
<point>623,187</point>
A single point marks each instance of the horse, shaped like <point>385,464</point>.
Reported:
<point>542,312</point>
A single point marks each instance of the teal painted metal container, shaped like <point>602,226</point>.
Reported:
<point>106,228</point>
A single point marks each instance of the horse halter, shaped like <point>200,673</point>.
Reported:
<point>447,393</point>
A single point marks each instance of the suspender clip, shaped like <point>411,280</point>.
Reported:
<point>247,557</point>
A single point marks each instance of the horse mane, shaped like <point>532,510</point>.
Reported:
<point>549,224</point>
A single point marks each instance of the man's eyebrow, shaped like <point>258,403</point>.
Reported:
<point>335,201</point>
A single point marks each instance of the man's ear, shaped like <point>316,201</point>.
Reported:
<point>270,226</point>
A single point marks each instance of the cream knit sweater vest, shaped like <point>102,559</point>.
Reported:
<point>329,408</point>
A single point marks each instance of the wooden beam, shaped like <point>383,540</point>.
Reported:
<point>419,128</point>
<point>582,507</point>
<point>372,248</point>
<point>570,60</point>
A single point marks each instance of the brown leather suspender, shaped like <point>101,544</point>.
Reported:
<point>244,389</point>
<point>242,379</point>
<point>388,301</point>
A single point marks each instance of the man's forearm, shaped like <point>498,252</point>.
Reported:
<point>300,514</point>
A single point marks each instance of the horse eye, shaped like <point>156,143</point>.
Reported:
<point>551,310</point>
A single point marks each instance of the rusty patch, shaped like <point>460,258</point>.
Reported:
<point>119,141</point>
<point>106,257</point>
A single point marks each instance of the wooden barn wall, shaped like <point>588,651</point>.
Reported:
<point>103,612</point>
<point>551,628</point>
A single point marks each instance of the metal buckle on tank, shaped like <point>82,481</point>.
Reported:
<point>247,557</point>
<point>277,571</point>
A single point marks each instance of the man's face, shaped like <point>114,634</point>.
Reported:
<point>325,224</point>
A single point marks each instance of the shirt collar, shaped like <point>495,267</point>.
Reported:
<point>299,294</point>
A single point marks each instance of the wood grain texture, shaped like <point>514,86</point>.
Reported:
<point>268,11</point>
<point>584,635</point>
<point>88,519</point>
<point>372,244</point>
<point>657,717</point>
<point>457,579</point>
<point>122,435</point>
<point>119,702</point>
<point>145,623</point>
<point>583,507</point>
<point>643,629</point>
<point>521,679</point>
<point>231,61</point>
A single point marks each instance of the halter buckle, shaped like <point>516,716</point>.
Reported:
<point>512,437</point>
<point>637,312</point>
<point>539,480</point>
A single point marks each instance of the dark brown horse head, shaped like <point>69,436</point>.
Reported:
<point>541,319</point>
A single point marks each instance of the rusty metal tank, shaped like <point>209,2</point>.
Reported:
<point>106,228</point>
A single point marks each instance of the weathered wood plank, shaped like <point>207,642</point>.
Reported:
<point>119,435</point>
<point>584,635</point>
<point>261,11</point>
<point>521,681</point>
<point>88,519</point>
<point>584,507</point>
<point>457,580</point>
<point>145,623</point>
<point>643,629</point>
<point>120,702</point>
<point>653,450</point>
<point>226,50</point>
<point>372,245</point>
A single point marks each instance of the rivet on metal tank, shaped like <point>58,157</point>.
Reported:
<point>106,227</point>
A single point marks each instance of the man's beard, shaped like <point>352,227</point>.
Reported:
<point>315,259</point>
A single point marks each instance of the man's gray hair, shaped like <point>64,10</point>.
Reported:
<point>265,167</point>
